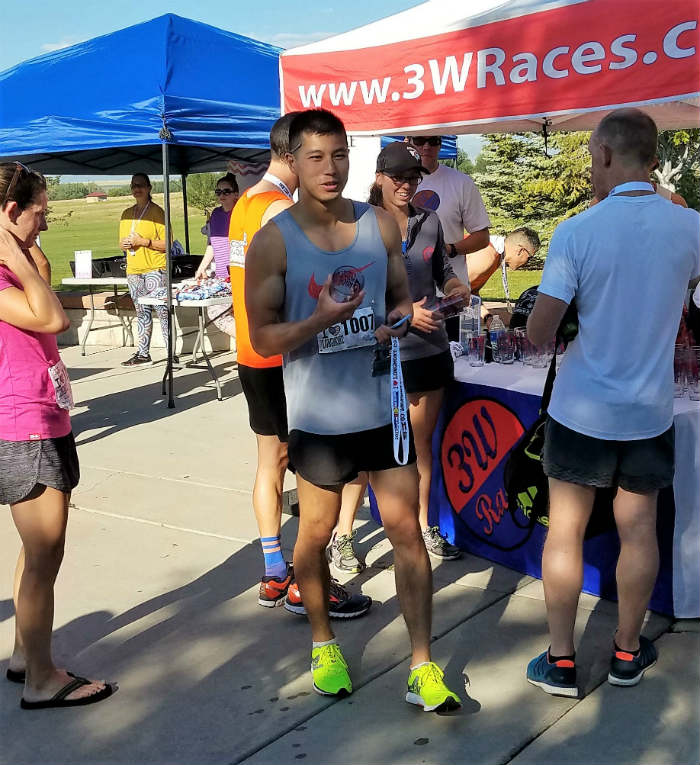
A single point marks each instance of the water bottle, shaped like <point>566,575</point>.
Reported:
<point>497,328</point>
<point>466,328</point>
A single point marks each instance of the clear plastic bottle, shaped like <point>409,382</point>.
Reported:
<point>497,328</point>
<point>466,327</point>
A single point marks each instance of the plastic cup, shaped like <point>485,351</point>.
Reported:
<point>542,355</point>
<point>520,334</point>
<point>692,372</point>
<point>506,347</point>
<point>475,350</point>
<point>680,365</point>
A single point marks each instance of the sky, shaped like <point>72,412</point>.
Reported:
<point>32,29</point>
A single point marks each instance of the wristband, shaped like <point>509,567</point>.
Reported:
<point>451,250</point>
<point>150,242</point>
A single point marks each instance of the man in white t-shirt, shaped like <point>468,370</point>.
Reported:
<point>610,419</point>
<point>455,198</point>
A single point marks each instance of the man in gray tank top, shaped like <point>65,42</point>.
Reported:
<point>325,281</point>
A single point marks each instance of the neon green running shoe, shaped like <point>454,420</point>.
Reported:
<point>427,689</point>
<point>330,671</point>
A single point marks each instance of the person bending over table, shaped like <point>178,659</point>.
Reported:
<point>509,253</point>
<point>142,238</point>
<point>218,248</point>
<point>38,459</point>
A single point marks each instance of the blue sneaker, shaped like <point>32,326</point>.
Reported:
<point>559,678</point>
<point>627,669</point>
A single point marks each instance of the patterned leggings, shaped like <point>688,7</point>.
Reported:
<point>141,285</point>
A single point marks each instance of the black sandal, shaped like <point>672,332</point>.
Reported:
<point>59,700</point>
<point>15,675</point>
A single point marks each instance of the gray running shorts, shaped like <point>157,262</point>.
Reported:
<point>49,462</point>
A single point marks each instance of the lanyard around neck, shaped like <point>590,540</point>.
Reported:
<point>281,185</point>
<point>631,186</point>
<point>504,279</point>
<point>136,221</point>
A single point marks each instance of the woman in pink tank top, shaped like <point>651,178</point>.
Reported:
<point>38,459</point>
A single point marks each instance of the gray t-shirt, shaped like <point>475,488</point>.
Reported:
<point>428,267</point>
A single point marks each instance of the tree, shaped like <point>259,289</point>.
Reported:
<point>200,191</point>
<point>464,163</point>
<point>523,186</point>
<point>679,163</point>
<point>52,183</point>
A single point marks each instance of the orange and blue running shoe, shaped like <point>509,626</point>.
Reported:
<point>557,678</point>
<point>341,604</point>
<point>273,590</point>
<point>627,668</point>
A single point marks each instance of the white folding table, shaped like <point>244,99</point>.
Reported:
<point>200,305</point>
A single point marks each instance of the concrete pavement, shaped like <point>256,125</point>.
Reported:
<point>159,592</point>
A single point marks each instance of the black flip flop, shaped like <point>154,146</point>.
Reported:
<point>59,700</point>
<point>15,675</point>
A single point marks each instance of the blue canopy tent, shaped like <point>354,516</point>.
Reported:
<point>166,94</point>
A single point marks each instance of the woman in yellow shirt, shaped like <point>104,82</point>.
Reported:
<point>142,238</point>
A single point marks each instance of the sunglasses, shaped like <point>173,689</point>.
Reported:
<point>19,169</point>
<point>433,140</point>
<point>225,192</point>
<point>401,179</point>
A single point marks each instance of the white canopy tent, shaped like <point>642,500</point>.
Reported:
<point>504,66</point>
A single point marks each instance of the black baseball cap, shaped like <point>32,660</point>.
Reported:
<point>398,157</point>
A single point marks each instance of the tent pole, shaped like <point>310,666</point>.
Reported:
<point>184,204</point>
<point>168,275</point>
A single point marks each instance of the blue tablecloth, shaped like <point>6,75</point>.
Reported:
<point>485,412</point>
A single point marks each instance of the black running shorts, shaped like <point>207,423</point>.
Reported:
<point>332,460</point>
<point>641,467</point>
<point>267,405</point>
<point>429,373</point>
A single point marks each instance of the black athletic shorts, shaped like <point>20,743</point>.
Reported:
<point>267,405</point>
<point>429,373</point>
<point>641,467</point>
<point>332,460</point>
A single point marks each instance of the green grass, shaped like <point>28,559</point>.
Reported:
<point>518,281</point>
<point>76,225</point>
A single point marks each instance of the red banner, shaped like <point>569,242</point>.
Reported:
<point>580,57</point>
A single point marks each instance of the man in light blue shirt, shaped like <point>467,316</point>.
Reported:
<point>626,262</point>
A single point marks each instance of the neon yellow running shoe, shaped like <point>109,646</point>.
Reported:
<point>427,689</point>
<point>330,671</point>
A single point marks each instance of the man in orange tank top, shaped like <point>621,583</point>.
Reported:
<point>261,381</point>
<point>261,378</point>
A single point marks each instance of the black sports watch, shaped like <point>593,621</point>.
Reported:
<point>451,250</point>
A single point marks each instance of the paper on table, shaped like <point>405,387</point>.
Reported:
<point>83,264</point>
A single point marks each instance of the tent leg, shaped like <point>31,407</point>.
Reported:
<point>168,274</point>
<point>184,204</point>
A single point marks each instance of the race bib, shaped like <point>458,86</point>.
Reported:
<point>355,332</point>
<point>237,253</point>
<point>61,385</point>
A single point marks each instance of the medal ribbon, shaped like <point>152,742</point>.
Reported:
<point>399,407</point>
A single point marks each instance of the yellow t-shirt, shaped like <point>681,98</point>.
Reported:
<point>150,226</point>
